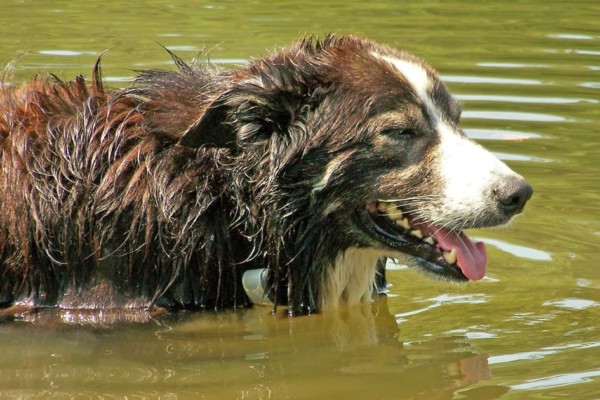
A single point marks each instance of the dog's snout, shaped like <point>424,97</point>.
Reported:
<point>513,195</point>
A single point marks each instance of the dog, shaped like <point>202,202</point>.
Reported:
<point>312,163</point>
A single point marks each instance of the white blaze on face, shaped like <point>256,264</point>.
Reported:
<point>468,171</point>
<point>418,79</point>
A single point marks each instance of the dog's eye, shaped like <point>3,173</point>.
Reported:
<point>399,132</point>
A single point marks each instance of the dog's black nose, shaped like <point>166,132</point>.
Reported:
<point>513,195</point>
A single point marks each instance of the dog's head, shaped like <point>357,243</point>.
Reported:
<point>371,138</point>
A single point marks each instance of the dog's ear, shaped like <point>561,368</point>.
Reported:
<point>259,108</point>
<point>211,129</point>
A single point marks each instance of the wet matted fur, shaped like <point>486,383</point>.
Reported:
<point>164,193</point>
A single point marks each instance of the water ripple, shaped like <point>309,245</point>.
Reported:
<point>526,355</point>
<point>572,304</point>
<point>511,65</point>
<point>500,134</point>
<point>569,36</point>
<point>558,380</point>
<point>513,116</point>
<point>590,85</point>
<point>539,354</point>
<point>573,51</point>
<point>522,157</point>
<point>523,99</point>
<point>66,53</point>
<point>185,48</point>
<point>587,52</point>
<point>519,251</point>
<point>491,80</point>
<point>441,300</point>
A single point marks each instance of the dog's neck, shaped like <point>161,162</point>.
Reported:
<point>351,277</point>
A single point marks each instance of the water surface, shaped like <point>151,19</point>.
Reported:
<point>528,75</point>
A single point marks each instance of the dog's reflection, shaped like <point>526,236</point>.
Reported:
<point>356,351</point>
<point>363,345</point>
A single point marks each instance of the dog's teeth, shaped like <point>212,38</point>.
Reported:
<point>394,217</point>
<point>450,256</point>
<point>417,233</point>
<point>429,240</point>
<point>395,214</point>
<point>404,223</point>
<point>384,207</point>
<point>390,210</point>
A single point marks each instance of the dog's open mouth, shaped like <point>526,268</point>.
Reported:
<point>436,249</point>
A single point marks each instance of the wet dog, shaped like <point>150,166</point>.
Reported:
<point>313,162</point>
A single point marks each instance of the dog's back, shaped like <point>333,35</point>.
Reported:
<point>99,205</point>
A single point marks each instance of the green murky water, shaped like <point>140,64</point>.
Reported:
<point>528,74</point>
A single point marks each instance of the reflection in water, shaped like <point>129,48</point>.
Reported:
<point>251,352</point>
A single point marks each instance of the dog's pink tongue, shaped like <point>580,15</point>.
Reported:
<point>471,257</point>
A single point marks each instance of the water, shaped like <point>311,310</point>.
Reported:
<point>528,75</point>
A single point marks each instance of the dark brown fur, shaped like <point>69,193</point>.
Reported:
<point>103,206</point>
